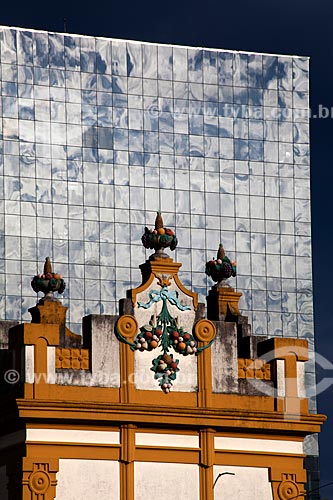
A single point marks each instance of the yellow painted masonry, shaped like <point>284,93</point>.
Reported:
<point>61,421</point>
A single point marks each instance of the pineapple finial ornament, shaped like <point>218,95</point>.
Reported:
<point>221,268</point>
<point>48,282</point>
<point>159,238</point>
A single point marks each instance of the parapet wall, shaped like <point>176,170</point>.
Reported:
<point>161,387</point>
<point>222,365</point>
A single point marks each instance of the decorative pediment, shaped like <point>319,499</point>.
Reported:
<point>165,311</point>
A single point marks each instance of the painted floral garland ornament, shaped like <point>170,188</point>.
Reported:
<point>164,332</point>
<point>48,282</point>
<point>159,238</point>
<point>165,368</point>
<point>221,268</point>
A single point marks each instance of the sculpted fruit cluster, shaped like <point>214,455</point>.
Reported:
<point>165,368</point>
<point>159,237</point>
<point>148,338</point>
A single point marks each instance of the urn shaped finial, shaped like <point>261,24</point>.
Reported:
<point>159,238</point>
<point>221,268</point>
<point>48,282</point>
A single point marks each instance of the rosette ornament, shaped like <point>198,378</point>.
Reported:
<point>159,238</point>
<point>221,268</point>
<point>48,282</point>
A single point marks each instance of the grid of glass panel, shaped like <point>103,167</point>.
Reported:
<point>98,134</point>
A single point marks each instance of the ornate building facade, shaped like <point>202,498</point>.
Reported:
<point>96,134</point>
<point>159,400</point>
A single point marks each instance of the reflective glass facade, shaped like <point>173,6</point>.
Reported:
<point>98,134</point>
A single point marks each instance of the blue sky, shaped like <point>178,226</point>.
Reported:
<point>301,27</point>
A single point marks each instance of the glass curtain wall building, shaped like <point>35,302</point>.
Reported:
<point>97,134</point>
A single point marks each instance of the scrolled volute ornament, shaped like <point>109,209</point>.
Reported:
<point>126,328</point>
<point>204,331</point>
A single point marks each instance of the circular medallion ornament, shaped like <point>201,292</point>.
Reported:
<point>204,330</point>
<point>127,326</point>
<point>39,482</point>
<point>288,490</point>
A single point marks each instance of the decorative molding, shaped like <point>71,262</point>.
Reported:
<point>205,330</point>
<point>127,433</point>
<point>288,490</point>
<point>106,404</point>
<point>126,481</point>
<point>203,410</point>
<point>205,383</point>
<point>39,478</point>
<point>207,452</point>
<point>39,482</point>
<point>72,359</point>
<point>290,485</point>
<point>207,460</point>
<point>164,270</point>
<point>164,279</point>
<point>127,457</point>
<point>127,326</point>
<point>127,385</point>
<point>254,369</point>
<point>206,483</point>
<point>186,291</point>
